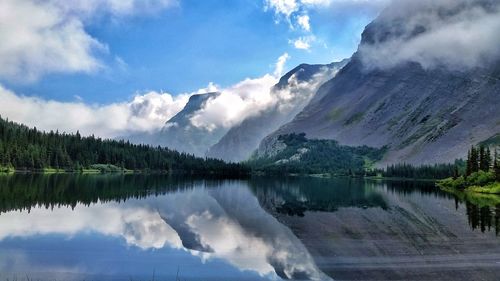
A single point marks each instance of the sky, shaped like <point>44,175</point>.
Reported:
<point>118,67</point>
<point>174,46</point>
<point>109,66</point>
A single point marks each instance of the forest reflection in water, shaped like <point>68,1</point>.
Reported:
<point>231,227</point>
<point>292,196</point>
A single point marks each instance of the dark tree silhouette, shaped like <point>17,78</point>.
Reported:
<point>29,149</point>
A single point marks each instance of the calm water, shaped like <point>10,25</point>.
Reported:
<point>97,227</point>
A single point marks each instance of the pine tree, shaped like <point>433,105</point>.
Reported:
<point>456,174</point>
<point>488,160</point>
<point>468,168</point>
<point>474,160</point>
<point>484,159</point>
<point>496,166</point>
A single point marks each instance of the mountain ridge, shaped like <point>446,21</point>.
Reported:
<point>424,114</point>
<point>301,84</point>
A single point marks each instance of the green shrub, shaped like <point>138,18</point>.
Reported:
<point>106,168</point>
<point>480,178</point>
<point>482,182</point>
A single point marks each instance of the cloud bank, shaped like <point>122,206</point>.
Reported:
<point>147,112</point>
<point>235,103</point>
<point>458,34</point>
<point>251,97</point>
<point>144,113</point>
<point>42,37</point>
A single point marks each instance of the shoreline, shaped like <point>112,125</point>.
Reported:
<point>450,185</point>
<point>76,172</point>
<point>50,171</point>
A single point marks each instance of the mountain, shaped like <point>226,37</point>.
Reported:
<point>426,107</point>
<point>180,134</point>
<point>294,90</point>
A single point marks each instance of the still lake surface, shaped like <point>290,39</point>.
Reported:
<point>134,227</point>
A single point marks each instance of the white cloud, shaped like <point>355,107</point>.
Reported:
<point>296,12</point>
<point>114,7</point>
<point>41,37</point>
<point>303,21</point>
<point>457,34</point>
<point>303,43</point>
<point>235,103</point>
<point>289,7</point>
<point>145,112</point>
<point>36,39</point>
<point>282,7</point>
<point>317,2</point>
<point>253,96</point>
<point>140,227</point>
<point>280,64</point>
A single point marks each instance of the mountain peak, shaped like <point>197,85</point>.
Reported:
<point>202,97</point>
<point>195,103</point>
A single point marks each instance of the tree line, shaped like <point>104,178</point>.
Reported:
<point>437,171</point>
<point>480,159</point>
<point>24,148</point>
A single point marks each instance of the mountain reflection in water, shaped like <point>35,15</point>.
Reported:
<point>211,220</point>
<point>117,227</point>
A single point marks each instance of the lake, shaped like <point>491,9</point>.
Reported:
<point>136,227</point>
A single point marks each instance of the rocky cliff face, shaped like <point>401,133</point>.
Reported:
<point>180,134</point>
<point>294,90</point>
<point>426,109</point>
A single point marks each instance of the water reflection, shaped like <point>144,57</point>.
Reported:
<point>212,221</point>
<point>294,196</point>
<point>22,192</point>
<point>116,227</point>
<point>426,188</point>
<point>484,218</point>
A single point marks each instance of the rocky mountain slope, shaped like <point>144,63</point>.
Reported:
<point>180,134</point>
<point>294,90</point>
<point>428,109</point>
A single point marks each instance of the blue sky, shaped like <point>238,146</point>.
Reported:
<point>181,47</point>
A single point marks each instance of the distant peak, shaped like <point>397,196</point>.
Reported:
<point>204,96</point>
<point>305,72</point>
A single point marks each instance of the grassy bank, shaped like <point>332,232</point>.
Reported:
<point>476,198</point>
<point>93,169</point>
<point>479,182</point>
<point>493,188</point>
<point>6,170</point>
